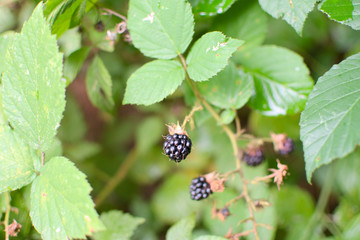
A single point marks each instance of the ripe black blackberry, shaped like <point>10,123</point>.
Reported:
<point>177,145</point>
<point>199,188</point>
<point>287,147</point>
<point>253,156</point>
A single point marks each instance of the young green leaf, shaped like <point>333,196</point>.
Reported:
<point>63,197</point>
<point>160,28</point>
<point>294,12</point>
<point>99,85</point>
<point>33,92</point>
<point>330,123</point>
<point>118,225</point>
<point>210,54</point>
<point>182,229</point>
<point>227,116</point>
<point>153,82</point>
<point>5,41</point>
<point>281,80</point>
<point>245,20</point>
<point>344,11</point>
<point>18,162</point>
<point>62,13</point>
<point>231,88</point>
<point>74,63</point>
<point>210,7</point>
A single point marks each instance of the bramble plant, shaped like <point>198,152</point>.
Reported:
<point>105,92</point>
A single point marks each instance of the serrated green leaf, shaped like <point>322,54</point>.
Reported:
<point>33,93</point>
<point>231,88</point>
<point>227,116</point>
<point>210,54</point>
<point>118,225</point>
<point>153,82</point>
<point>182,229</point>
<point>294,12</point>
<point>74,63</point>
<point>245,20</point>
<point>208,237</point>
<point>343,11</point>
<point>61,207</point>
<point>144,140</point>
<point>6,40</point>
<point>210,7</point>
<point>330,123</point>
<point>160,28</point>
<point>281,80</point>
<point>18,163</point>
<point>99,85</point>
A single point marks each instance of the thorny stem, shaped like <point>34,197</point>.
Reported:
<point>111,12</point>
<point>7,214</point>
<point>117,178</point>
<point>190,115</point>
<point>229,203</point>
<point>232,136</point>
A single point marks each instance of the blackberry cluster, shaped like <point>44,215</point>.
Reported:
<point>288,147</point>
<point>253,158</point>
<point>199,189</point>
<point>177,146</point>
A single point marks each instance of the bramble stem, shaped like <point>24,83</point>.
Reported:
<point>117,178</point>
<point>111,12</point>
<point>232,136</point>
<point>7,214</point>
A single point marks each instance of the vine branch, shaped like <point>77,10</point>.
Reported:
<point>7,214</point>
<point>232,137</point>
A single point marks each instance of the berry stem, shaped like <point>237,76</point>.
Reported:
<point>190,115</point>
<point>233,137</point>
<point>111,12</point>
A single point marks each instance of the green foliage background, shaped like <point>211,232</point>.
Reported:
<point>105,142</point>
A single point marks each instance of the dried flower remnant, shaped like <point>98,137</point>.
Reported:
<point>279,173</point>
<point>282,143</point>
<point>13,229</point>
<point>220,214</point>
<point>215,181</point>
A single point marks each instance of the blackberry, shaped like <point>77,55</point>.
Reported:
<point>200,189</point>
<point>287,147</point>
<point>253,157</point>
<point>99,26</point>
<point>177,144</point>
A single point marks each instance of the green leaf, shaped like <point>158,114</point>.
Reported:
<point>61,207</point>
<point>281,80</point>
<point>18,163</point>
<point>227,116</point>
<point>99,85</point>
<point>210,54</point>
<point>6,40</point>
<point>60,14</point>
<point>153,82</point>
<point>144,140</point>
<point>160,28</point>
<point>231,88</point>
<point>33,92</point>
<point>343,11</point>
<point>74,63</point>
<point>118,225</point>
<point>245,20</point>
<point>329,125</point>
<point>210,7</point>
<point>294,12</point>
<point>208,237</point>
<point>182,229</point>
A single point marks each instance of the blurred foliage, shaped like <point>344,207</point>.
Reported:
<point>157,190</point>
